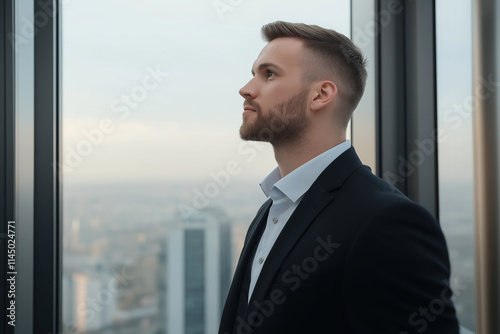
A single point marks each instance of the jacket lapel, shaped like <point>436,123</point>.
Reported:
<point>314,201</point>
<point>253,231</point>
<point>230,308</point>
<point>300,220</point>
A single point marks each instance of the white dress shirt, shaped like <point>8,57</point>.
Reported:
<point>286,193</point>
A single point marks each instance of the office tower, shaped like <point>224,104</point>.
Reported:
<point>198,271</point>
<point>94,304</point>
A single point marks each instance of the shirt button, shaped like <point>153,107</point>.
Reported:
<point>261,260</point>
<point>275,220</point>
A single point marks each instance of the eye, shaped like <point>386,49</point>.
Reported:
<point>270,73</point>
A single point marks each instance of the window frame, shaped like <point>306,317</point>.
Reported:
<point>30,152</point>
<point>485,21</point>
<point>402,44</point>
<point>7,163</point>
<point>30,147</point>
<point>47,244</point>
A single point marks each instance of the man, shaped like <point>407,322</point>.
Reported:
<point>335,249</point>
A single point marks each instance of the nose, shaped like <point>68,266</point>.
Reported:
<point>248,91</point>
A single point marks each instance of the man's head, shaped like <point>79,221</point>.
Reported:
<point>302,67</point>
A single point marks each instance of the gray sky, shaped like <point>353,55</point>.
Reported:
<point>185,125</point>
<point>188,125</point>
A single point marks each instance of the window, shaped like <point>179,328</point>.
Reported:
<point>158,188</point>
<point>456,187</point>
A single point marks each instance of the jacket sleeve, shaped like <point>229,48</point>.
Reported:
<point>397,275</point>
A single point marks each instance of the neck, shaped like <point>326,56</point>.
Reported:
<point>290,156</point>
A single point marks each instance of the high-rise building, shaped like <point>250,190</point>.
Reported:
<point>94,304</point>
<point>198,271</point>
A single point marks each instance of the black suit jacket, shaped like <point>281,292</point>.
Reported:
<point>356,256</point>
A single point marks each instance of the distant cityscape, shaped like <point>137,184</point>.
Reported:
<point>152,258</point>
<point>135,262</point>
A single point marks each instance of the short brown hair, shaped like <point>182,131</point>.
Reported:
<point>335,55</point>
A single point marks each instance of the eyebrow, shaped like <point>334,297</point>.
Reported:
<point>266,65</point>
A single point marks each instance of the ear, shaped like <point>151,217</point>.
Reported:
<point>324,93</point>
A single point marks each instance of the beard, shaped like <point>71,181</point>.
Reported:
<point>284,124</point>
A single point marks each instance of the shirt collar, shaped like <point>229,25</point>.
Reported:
<point>295,184</point>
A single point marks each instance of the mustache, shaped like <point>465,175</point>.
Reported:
<point>251,104</point>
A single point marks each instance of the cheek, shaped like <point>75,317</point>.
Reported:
<point>274,96</point>
<point>276,93</point>
<point>283,92</point>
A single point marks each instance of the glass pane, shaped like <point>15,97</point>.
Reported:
<point>454,84</point>
<point>158,188</point>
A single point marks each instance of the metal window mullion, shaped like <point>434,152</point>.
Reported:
<point>392,98</point>
<point>7,142</point>
<point>407,100</point>
<point>486,49</point>
<point>421,105</point>
<point>46,183</point>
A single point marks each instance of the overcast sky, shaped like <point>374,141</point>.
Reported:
<point>183,121</point>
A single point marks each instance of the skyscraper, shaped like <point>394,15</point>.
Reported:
<point>198,271</point>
